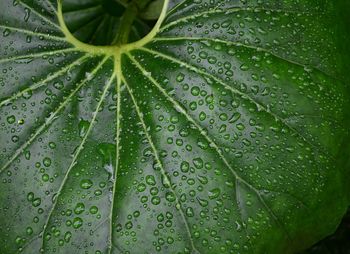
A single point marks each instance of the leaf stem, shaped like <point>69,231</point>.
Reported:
<point>127,20</point>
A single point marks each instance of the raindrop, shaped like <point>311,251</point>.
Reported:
<point>86,184</point>
<point>79,208</point>
<point>77,222</point>
<point>214,193</point>
<point>6,32</point>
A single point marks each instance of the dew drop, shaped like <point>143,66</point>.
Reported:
<point>79,208</point>
<point>86,184</point>
<point>77,222</point>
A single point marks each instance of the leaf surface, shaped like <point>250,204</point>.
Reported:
<point>222,131</point>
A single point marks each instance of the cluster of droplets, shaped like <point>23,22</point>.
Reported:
<point>197,138</point>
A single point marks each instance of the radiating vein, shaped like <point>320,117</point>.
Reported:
<point>53,116</point>
<point>36,34</point>
<point>37,55</point>
<point>51,5</point>
<point>155,152</point>
<point>239,203</point>
<point>117,247</point>
<point>117,141</point>
<point>181,110</point>
<point>43,82</point>
<point>259,105</point>
<point>302,116</point>
<point>244,45</point>
<point>80,147</point>
<point>21,249</point>
<point>39,14</point>
<point>227,11</point>
<point>176,7</point>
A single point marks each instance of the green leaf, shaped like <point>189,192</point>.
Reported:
<point>153,10</point>
<point>338,243</point>
<point>99,21</point>
<point>224,130</point>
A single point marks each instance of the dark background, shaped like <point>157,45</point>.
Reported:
<point>338,243</point>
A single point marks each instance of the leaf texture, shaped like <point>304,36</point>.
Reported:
<point>221,131</point>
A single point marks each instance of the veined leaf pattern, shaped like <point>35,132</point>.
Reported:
<point>221,131</point>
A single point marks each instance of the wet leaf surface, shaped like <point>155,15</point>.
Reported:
<point>224,130</point>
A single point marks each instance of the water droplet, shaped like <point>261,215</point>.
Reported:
<point>185,167</point>
<point>77,222</point>
<point>52,145</point>
<point>29,40</point>
<point>244,67</point>
<point>214,193</point>
<point>198,163</point>
<point>180,77</point>
<point>86,184</point>
<point>155,200</point>
<point>6,32</point>
<point>58,85</point>
<point>45,177</point>
<point>29,231</point>
<point>108,153</point>
<point>150,180</point>
<point>202,202</point>
<point>170,196</point>
<point>83,127</point>
<point>47,162</point>
<point>202,179</point>
<point>36,202</point>
<point>93,209</point>
<point>30,196</point>
<point>27,155</point>
<point>11,119</point>
<point>234,117</point>
<point>189,212</point>
<point>79,208</point>
<point>195,91</point>
<point>27,15</point>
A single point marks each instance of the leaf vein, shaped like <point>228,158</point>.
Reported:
<point>51,5</point>
<point>216,10</point>
<point>238,44</point>
<point>39,14</point>
<point>81,146</point>
<point>235,91</point>
<point>36,55</point>
<point>43,82</point>
<point>149,138</point>
<point>117,140</point>
<point>37,34</point>
<point>180,109</point>
<point>48,121</point>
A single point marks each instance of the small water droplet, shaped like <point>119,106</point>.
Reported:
<point>86,184</point>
